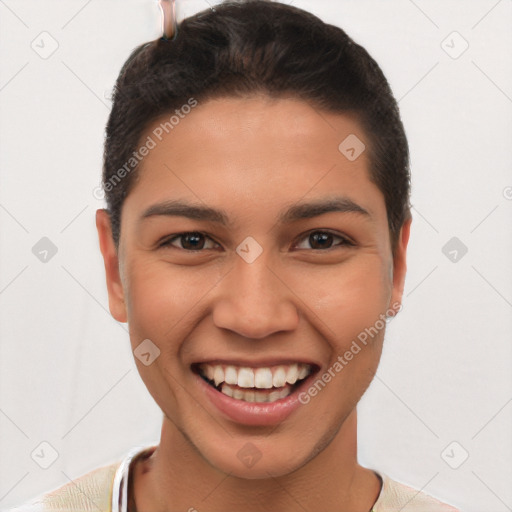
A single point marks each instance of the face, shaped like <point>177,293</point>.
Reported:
<point>253,255</point>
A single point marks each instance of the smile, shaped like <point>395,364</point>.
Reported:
<point>257,385</point>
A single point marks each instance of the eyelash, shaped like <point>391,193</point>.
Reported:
<point>166,243</point>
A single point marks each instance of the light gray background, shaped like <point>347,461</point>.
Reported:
<point>67,375</point>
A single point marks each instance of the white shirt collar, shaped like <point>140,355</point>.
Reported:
<point>121,479</point>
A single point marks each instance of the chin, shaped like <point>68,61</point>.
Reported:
<point>252,463</point>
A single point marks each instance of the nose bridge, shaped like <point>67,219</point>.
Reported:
<point>254,301</point>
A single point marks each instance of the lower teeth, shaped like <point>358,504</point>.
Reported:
<point>252,395</point>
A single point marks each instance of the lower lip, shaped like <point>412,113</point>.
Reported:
<point>253,413</point>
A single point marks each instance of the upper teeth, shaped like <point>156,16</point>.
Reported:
<point>262,378</point>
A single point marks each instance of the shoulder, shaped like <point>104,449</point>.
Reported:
<point>397,496</point>
<point>92,492</point>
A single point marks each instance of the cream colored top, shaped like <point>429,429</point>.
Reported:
<point>105,490</point>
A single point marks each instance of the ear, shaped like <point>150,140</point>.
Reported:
<point>400,267</point>
<point>115,288</point>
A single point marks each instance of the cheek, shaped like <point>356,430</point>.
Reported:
<point>160,301</point>
<point>350,296</point>
<point>164,298</point>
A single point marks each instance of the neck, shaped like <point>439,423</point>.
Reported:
<point>177,477</point>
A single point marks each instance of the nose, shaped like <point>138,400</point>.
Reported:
<point>255,301</point>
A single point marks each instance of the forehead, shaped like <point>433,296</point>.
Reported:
<point>270,127</point>
<point>255,152</point>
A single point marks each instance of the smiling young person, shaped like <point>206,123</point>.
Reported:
<point>257,182</point>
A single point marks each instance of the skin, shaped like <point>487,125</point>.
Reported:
<point>253,158</point>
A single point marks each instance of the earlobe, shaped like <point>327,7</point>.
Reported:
<point>115,288</point>
<point>400,267</point>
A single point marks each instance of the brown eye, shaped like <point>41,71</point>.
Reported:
<point>323,240</point>
<point>190,241</point>
<point>320,240</point>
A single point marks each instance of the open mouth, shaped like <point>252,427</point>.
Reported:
<point>257,385</point>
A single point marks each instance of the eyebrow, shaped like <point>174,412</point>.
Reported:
<point>307,210</point>
<point>319,207</point>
